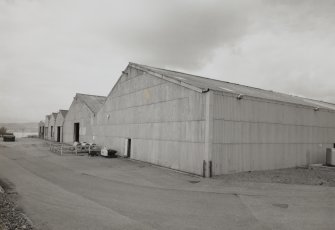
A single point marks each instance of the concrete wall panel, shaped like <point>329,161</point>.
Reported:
<point>59,123</point>
<point>252,134</point>
<point>78,112</point>
<point>165,121</point>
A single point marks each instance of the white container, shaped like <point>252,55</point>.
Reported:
<point>330,156</point>
<point>104,152</point>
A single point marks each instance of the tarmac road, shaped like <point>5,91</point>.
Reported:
<point>79,192</point>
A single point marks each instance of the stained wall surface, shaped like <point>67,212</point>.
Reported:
<point>165,121</point>
<point>255,134</point>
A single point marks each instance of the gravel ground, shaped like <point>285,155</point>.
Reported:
<point>11,216</point>
<point>317,175</point>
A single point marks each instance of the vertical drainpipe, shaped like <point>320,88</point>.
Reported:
<point>208,133</point>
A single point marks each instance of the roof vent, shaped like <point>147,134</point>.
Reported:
<point>240,96</point>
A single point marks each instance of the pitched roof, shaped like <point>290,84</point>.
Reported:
<point>54,115</point>
<point>202,84</point>
<point>93,102</point>
<point>47,120</point>
<point>63,112</point>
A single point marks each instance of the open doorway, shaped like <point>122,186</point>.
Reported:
<point>128,148</point>
<point>76,132</point>
<point>58,133</point>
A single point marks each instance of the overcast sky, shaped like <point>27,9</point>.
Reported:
<point>49,50</point>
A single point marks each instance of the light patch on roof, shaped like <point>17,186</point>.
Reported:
<point>226,89</point>
<point>180,78</point>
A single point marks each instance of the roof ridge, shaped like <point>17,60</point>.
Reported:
<point>213,79</point>
<point>84,101</point>
<point>63,112</point>
<point>89,95</point>
<point>236,84</point>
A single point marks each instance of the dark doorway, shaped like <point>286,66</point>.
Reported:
<point>128,147</point>
<point>76,132</point>
<point>58,133</point>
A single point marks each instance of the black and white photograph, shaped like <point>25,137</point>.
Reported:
<point>167,115</point>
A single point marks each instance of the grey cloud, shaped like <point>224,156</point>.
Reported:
<point>183,36</point>
<point>49,50</point>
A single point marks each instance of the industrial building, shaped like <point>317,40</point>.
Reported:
<point>41,128</point>
<point>198,125</point>
<point>205,126</point>
<point>59,123</point>
<point>51,127</point>
<point>80,118</point>
<point>46,126</point>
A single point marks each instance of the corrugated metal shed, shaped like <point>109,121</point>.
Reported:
<point>204,84</point>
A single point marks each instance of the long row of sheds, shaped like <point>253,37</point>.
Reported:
<point>197,125</point>
<point>74,124</point>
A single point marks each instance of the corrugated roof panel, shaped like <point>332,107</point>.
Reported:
<point>217,85</point>
<point>93,102</point>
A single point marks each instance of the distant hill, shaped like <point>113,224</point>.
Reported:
<point>30,127</point>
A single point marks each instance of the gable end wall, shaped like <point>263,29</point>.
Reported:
<point>165,121</point>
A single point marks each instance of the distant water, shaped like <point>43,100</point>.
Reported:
<point>24,134</point>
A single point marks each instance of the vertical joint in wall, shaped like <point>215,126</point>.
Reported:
<point>210,169</point>
<point>209,120</point>
<point>204,168</point>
